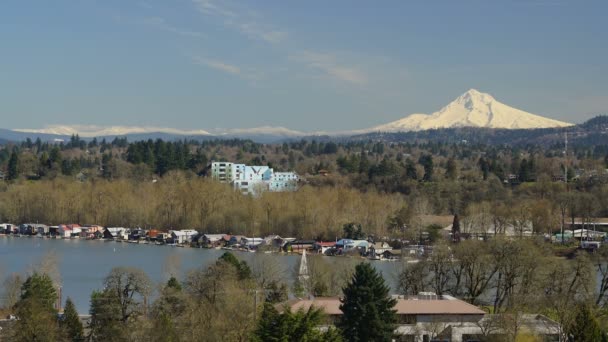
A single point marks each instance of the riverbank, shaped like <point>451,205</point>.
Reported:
<point>83,264</point>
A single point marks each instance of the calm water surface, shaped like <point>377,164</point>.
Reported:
<point>84,263</point>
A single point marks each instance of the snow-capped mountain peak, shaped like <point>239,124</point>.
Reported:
<point>471,109</point>
<point>473,98</point>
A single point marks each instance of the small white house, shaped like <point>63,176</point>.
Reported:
<point>349,244</point>
<point>7,228</point>
<point>66,231</point>
<point>378,248</point>
<point>251,242</point>
<point>119,232</point>
<point>183,236</point>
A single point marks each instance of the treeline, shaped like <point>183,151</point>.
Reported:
<point>185,201</point>
<point>363,163</point>
<point>163,184</point>
<point>179,202</point>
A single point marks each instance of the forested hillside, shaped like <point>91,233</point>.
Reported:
<point>382,186</point>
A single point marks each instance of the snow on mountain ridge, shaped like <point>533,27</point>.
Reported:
<point>90,131</point>
<point>471,109</point>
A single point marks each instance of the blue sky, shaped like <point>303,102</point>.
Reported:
<point>307,65</point>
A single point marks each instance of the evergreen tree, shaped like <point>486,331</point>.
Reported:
<point>427,162</point>
<point>36,312</point>
<point>106,324</point>
<point>585,326</point>
<point>242,268</point>
<point>363,163</point>
<point>451,171</point>
<point>270,326</point>
<point>37,322</point>
<point>410,170</point>
<point>524,171</point>
<point>13,162</point>
<point>353,231</point>
<point>456,229</point>
<point>71,322</point>
<point>55,157</point>
<point>276,292</point>
<point>367,307</point>
<point>484,166</point>
<point>292,326</point>
<point>174,284</point>
<point>40,287</point>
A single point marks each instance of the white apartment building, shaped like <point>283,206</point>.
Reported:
<point>253,179</point>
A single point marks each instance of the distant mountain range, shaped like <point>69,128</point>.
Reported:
<point>472,109</point>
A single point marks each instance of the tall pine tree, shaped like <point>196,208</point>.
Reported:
<point>13,171</point>
<point>367,307</point>
<point>71,323</point>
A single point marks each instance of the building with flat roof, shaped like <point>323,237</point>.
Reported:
<point>254,179</point>
<point>429,317</point>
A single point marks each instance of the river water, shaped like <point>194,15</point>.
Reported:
<point>83,264</point>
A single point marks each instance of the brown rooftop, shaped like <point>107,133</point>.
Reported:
<point>404,306</point>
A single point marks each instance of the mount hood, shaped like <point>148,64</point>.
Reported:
<point>471,109</point>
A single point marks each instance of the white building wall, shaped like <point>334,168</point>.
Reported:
<point>253,179</point>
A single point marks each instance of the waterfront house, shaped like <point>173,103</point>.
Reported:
<point>251,242</point>
<point>66,231</point>
<point>7,228</point>
<point>376,249</point>
<point>41,229</point>
<point>183,236</point>
<point>588,234</point>
<point>429,317</point>
<point>347,245</point>
<point>26,229</point>
<point>392,254</point>
<point>322,246</point>
<point>33,229</point>
<point>212,240</point>
<point>235,240</point>
<point>89,232</point>
<point>136,234</point>
<point>152,234</point>
<point>275,241</point>
<point>116,233</point>
<point>299,245</point>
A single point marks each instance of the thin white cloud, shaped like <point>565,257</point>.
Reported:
<point>217,65</point>
<point>211,8</point>
<point>162,24</point>
<point>254,31</point>
<point>328,64</point>
<point>157,23</point>
<point>241,21</point>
